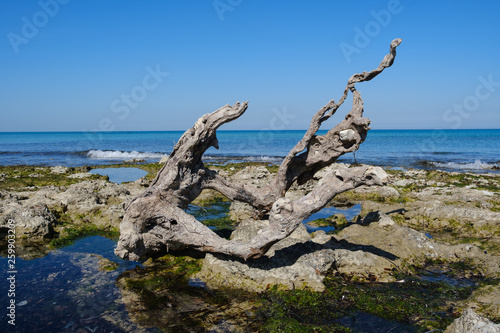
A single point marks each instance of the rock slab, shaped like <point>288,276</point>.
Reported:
<point>471,322</point>
<point>34,221</point>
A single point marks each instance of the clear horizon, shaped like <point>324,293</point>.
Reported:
<point>88,66</point>
<point>259,130</point>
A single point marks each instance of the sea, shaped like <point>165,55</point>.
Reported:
<point>475,150</point>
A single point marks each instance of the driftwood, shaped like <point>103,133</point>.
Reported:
<point>156,220</point>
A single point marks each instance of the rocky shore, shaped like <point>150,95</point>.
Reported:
<point>443,224</point>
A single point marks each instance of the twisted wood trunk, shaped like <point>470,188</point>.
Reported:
<point>156,220</point>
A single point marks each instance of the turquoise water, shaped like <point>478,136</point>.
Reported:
<point>460,150</point>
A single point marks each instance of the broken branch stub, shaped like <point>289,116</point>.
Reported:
<point>156,221</point>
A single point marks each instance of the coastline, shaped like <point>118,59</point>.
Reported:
<point>457,214</point>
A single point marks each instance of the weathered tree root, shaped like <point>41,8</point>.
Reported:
<point>156,220</point>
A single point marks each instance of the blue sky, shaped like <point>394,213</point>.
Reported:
<point>69,65</point>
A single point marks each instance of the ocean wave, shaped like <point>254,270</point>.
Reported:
<point>228,158</point>
<point>127,155</point>
<point>264,158</point>
<point>122,155</point>
<point>476,165</point>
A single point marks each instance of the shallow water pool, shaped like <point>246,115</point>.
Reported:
<point>65,291</point>
<point>120,175</point>
<point>349,213</point>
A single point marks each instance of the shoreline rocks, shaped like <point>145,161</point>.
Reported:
<point>300,261</point>
<point>420,216</point>
<point>370,252</point>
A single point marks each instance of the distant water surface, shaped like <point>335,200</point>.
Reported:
<point>451,150</point>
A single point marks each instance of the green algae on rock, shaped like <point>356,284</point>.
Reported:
<point>159,295</point>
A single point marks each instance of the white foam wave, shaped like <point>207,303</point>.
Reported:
<point>476,165</point>
<point>264,158</point>
<point>122,155</point>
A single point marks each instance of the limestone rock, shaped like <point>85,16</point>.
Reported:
<point>136,160</point>
<point>402,182</point>
<point>436,210</point>
<point>487,299</point>
<point>320,237</point>
<point>82,197</point>
<point>471,322</point>
<point>247,229</point>
<point>239,211</point>
<point>35,221</point>
<point>80,175</point>
<point>257,176</point>
<point>99,201</point>
<point>377,216</point>
<point>298,261</point>
<point>362,264</point>
<point>143,182</point>
<point>298,266</point>
<point>401,242</point>
<point>382,191</point>
<point>90,195</point>
<point>59,169</point>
